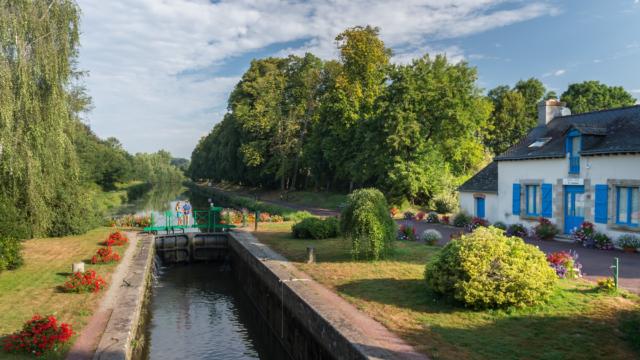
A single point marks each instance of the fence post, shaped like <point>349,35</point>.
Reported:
<point>257,220</point>
<point>616,271</point>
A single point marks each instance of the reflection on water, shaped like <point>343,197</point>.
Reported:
<point>199,312</point>
<point>157,200</point>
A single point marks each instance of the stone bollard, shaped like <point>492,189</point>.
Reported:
<point>311,255</point>
<point>77,267</point>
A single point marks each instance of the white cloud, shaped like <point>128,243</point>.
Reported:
<point>559,72</point>
<point>138,51</point>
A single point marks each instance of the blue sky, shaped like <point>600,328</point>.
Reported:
<point>160,71</point>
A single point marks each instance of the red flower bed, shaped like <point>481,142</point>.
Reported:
<point>117,239</point>
<point>445,219</point>
<point>39,336</point>
<point>88,281</point>
<point>105,255</point>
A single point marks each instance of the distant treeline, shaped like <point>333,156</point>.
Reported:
<point>53,168</point>
<point>415,131</point>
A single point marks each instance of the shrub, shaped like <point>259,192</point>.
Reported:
<point>407,232</point>
<point>602,241</point>
<point>430,236</point>
<point>517,230</point>
<point>545,229</point>
<point>39,336</point>
<point>116,239</point>
<point>461,219</point>
<point>421,215</point>
<point>297,216</point>
<point>10,253</point>
<point>628,241</point>
<point>477,222</point>
<point>315,228</point>
<point>606,285</point>
<point>88,281</point>
<point>365,221</point>
<point>408,215</point>
<point>433,218</point>
<point>500,225</point>
<point>445,219</point>
<point>565,264</point>
<point>486,269</point>
<point>445,203</point>
<point>105,255</point>
<point>584,234</point>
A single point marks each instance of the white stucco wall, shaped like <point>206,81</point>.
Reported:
<point>594,170</point>
<point>467,203</point>
<point>511,172</point>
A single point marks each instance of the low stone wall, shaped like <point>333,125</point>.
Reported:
<point>310,321</point>
<point>116,341</point>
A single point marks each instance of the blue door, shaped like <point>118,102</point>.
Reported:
<point>480,207</point>
<point>573,207</point>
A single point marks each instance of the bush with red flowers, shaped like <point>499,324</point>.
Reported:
<point>88,281</point>
<point>39,336</point>
<point>445,219</point>
<point>117,239</point>
<point>545,230</point>
<point>105,255</point>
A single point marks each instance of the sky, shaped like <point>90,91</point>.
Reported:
<point>160,71</point>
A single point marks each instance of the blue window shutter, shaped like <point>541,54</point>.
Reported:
<point>547,200</point>
<point>602,203</point>
<point>516,199</point>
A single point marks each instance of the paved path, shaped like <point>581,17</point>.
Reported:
<point>90,335</point>
<point>595,263</point>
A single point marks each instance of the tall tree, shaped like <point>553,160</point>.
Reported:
<point>431,116</point>
<point>514,113</point>
<point>39,172</point>
<point>593,95</point>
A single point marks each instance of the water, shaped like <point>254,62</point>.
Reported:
<point>198,311</point>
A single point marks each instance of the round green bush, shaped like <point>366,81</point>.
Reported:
<point>487,269</point>
<point>315,228</point>
<point>445,203</point>
<point>10,253</point>
<point>461,219</point>
<point>366,222</point>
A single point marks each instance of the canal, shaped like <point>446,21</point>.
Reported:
<point>198,311</point>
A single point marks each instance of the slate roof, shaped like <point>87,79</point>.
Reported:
<point>486,180</point>
<point>612,131</point>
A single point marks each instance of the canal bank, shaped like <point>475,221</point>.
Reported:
<point>306,319</point>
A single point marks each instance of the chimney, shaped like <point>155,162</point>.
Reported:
<point>550,109</point>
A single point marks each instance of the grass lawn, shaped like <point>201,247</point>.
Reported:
<point>33,288</point>
<point>578,322</point>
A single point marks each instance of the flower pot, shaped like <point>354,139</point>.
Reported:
<point>629,249</point>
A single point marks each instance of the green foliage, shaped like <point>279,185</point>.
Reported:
<point>10,253</point>
<point>445,203</point>
<point>486,269</point>
<point>315,228</point>
<point>593,95</point>
<point>500,225</point>
<point>514,113</point>
<point>366,222</point>
<point>606,284</point>
<point>300,123</point>
<point>461,219</point>
<point>546,230</point>
<point>629,241</point>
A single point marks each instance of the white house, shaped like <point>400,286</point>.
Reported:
<point>569,169</point>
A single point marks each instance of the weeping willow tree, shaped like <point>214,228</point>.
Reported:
<point>40,191</point>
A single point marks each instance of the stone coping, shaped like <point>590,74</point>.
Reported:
<point>336,324</point>
<point>116,341</point>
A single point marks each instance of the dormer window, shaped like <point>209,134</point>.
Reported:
<point>540,142</point>
<point>573,147</point>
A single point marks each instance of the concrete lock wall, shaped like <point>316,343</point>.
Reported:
<point>302,331</point>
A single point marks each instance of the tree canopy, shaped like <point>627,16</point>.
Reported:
<point>593,95</point>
